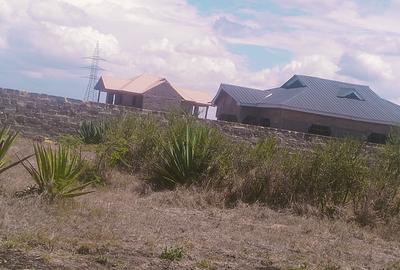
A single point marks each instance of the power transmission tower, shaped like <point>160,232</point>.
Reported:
<point>94,68</point>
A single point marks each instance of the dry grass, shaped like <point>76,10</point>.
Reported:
<point>125,226</point>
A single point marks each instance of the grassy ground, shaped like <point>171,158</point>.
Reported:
<point>124,225</point>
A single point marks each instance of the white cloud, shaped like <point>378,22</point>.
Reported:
<point>82,39</point>
<point>365,67</point>
<point>57,12</point>
<point>336,39</point>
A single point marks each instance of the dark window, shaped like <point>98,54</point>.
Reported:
<point>293,84</point>
<point>265,122</point>
<point>377,138</point>
<point>349,93</point>
<point>352,96</point>
<point>227,117</point>
<point>250,120</point>
<point>320,130</point>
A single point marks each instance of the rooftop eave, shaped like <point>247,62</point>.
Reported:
<point>348,117</point>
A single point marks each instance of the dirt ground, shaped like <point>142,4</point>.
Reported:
<point>117,227</point>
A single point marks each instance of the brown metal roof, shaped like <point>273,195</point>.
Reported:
<point>145,82</point>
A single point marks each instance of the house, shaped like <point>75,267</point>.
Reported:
<point>313,105</point>
<point>152,93</point>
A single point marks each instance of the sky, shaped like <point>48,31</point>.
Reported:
<point>198,44</point>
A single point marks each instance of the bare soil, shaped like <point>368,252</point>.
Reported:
<point>117,227</point>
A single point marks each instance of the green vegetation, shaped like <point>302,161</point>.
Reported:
<point>182,151</point>
<point>172,254</point>
<point>6,141</point>
<point>56,172</point>
<point>91,132</point>
<point>185,153</point>
<point>130,143</point>
<point>205,264</point>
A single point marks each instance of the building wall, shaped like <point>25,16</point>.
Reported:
<point>227,106</point>
<point>295,120</point>
<point>301,122</point>
<point>162,97</point>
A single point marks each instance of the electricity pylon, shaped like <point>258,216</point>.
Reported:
<point>94,68</point>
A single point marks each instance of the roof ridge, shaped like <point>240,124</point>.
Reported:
<point>234,85</point>
<point>330,80</point>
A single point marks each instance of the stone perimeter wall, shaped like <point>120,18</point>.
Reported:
<point>41,115</point>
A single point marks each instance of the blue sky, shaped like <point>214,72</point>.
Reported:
<point>200,43</point>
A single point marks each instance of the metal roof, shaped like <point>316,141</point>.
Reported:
<point>145,82</point>
<point>320,96</point>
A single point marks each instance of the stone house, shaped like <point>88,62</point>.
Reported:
<point>311,105</point>
<point>152,93</point>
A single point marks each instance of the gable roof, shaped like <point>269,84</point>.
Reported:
<point>320,96</point>
<point>138,85</point>
<point>143,83</point>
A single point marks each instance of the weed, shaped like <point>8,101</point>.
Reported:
<point>72,141</point>
<point>84,249</point>
<point>101,259</point>
<point>332,267</point>
<point>172,254</point>
<point>205,264</point>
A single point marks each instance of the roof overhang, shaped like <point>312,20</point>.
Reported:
<point>344,116</point>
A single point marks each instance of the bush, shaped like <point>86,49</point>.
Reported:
<point>91,132</point>
<point>256,173</point>
<point>130,143</point>
<point>56,172</point>
<point>385,184</point>
<point>329,175</point>
<point>186,152</point>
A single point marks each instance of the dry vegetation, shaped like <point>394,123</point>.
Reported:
<point>125,224</point>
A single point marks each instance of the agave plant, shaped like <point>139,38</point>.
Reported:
<point>6,140</point>
<point>91,132</point>
<point>185,155</point>
<point>57,171</point>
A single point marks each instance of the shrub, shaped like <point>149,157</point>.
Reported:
<point>93,172</point>
<point>91,132</point>
<point>130,143</point>
<point>260,175</point>
<point>56,172</point>
<point>329,175</point>
<point>185,153</point>
<point>386,179</point>
<point>6,141</point>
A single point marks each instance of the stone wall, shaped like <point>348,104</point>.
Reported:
<point>50,116</point>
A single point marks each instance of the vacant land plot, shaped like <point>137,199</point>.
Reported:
<point>123,225</point>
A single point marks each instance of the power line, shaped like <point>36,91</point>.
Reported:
<point>94,68</point>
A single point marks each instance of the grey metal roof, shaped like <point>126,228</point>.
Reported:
<point>242,95</point>
<point>321,96</point>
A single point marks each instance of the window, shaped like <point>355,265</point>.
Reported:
<point>320,130</point>
<point>250,120</point>
<point>133,101</point>
<point>227,117</point>
<point>296,83</point>
<point>265,122</point>
<point>349,93</point>
<point>377,138</point>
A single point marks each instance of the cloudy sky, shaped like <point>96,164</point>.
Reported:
<point>200,43</point>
